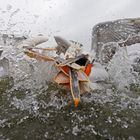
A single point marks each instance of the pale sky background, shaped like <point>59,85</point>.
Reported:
<point>72,19</point>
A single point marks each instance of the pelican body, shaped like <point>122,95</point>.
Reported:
<point>73,69</point>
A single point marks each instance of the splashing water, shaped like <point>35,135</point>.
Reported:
<point>40,110</point>
<point>121,70</point>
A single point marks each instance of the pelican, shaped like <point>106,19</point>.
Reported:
<point>76,69</point>
<point>73,69</point>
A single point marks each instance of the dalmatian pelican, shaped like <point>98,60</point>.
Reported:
<point>76,68</point>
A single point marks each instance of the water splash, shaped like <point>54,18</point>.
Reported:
<point>120,69</point>
<point>32,100</point>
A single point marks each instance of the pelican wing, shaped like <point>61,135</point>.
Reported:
<point>62,45</point>
<point>38,56</point>
<point>115,31</point>
<point>33,41</point>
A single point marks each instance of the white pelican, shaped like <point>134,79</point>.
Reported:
<point>76,69</point>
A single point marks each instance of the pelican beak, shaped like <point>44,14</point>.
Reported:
<point>74,86</point>
<point>76,102</point>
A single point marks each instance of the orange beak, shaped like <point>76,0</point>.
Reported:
<point>76,102</point>
<point>74,86</point>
